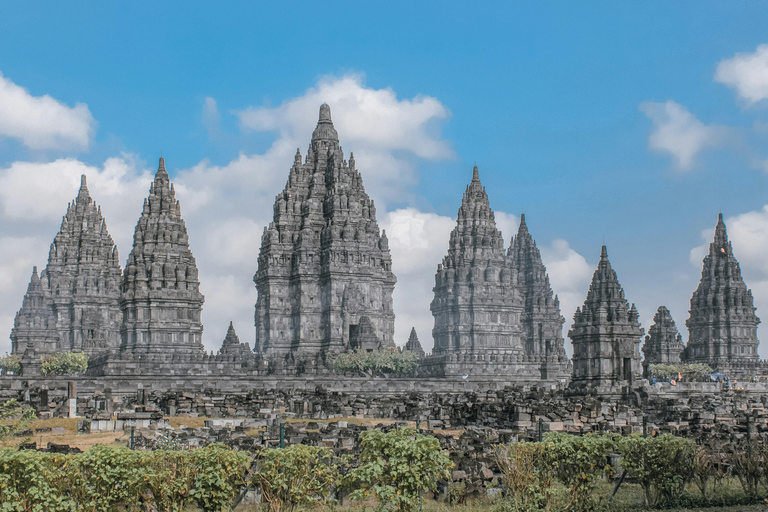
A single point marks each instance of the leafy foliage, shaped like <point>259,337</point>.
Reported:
<point>689,372</point>
<point>64,363</point>
<point>579,462</point>
<point>661,465</point>
<point>527,474</point>
<point>10,363</point>
<point>299,475</point>
<point>384,360</point>
<point>14,418</point>
<point>397,466</point>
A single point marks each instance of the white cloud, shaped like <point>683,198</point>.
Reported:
<point>211,117</point>
<point>417,241</point>
<point>678,133</point>
<point>507,223</point>
<point>385,133</point>
<point>43,122</point>
<point>747,73</point>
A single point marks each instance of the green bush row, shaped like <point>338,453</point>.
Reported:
<point>394,467</point>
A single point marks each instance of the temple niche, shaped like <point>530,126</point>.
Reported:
<point>495,314</point>
<point>606,336</point>
<point>161,301</point>
<point>722,326</point>
<point>324,276</point>
<point>77,295</point>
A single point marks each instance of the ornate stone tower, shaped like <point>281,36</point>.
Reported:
<point>324,277</point>
<point>413,344</point>
<point>541,321</point>
<point>34,328</point>
<point>605,335</point>
<point>83,276</point>
<point>663,345</point>
<point>722,325</point>
<point>161,301</point>
<point>477,306</point>
<point>232,346</point>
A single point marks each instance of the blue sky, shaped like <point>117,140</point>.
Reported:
<point>599,119</point>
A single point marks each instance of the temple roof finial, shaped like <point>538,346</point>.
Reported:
<point>604,253</point>
<point>325,129</point>
<point>475,175</point>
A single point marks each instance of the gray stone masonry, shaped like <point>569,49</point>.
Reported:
<point>722,327</point>
<point>161,302</point>
<point>232,346</point>
<point>413,344</point>
<point>663,345</point>
<point>80,286</point>
<point>606,335</point>
<point>495,314</point>
<point>324,276</point>
<point>34,329</point>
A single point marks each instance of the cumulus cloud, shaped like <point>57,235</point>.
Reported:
<point>418,241</point>
<point>747,73</point>
<point>507,224</point>
<point>678,133</point>
<point>211,117</point>
<point>43,122</point>
<point>385,133</point>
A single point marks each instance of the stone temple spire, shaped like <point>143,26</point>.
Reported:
<point>413,344</point>
<point>476,305</point>
<point>605,334</point>
<point>161,302</point>
<point>663,345</point>
<point>324,278</point>
<point>722,325</point>
<point>35,325</point>
<point>542,323</point>
<point>83,279</point>
<point>232,346</point>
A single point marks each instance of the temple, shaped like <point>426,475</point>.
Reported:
<point>495,314</point>
<point>663,345</point>
<point>161,301</point>
<point>324,276</point>
<point>606,336</point>
<point>722,325</point>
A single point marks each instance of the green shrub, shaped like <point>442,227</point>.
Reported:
<point>527,474</point>
<point>64,363</point>
<point>14,418</point>
<point>661,465</point>
<point>220,472</point>
<point>579,462</point>
<point>397,466</point>
<point>10,363</point>
<point>299,475</point>
<point>385,360</point>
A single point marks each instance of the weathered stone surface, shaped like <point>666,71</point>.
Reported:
<point>722,325</point>
<point>495,314</point>
<point>232,346</point>
<point>663,345</point>
<point>606,335</point>
<point>324,266</point>
<point>34,328</point>
<point>413,344</point>
<point>161,302</point>
<point>80,286</point>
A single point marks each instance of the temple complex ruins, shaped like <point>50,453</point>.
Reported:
<point>606,336</point>
<point>722,325</point>
<point>325,285</point>
<point>324,276</point>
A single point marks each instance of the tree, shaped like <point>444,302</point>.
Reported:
<point>14,418</point>
<point>64,363</point>
<point>397,466</point>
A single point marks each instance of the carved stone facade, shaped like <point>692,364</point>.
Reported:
<point>81,283</point>
<point>494,312</point>
<point>606,335</point>
<point>413,344</point>
<point>34,327</point>
<point>663,345</point>
<point>324,276</point>
<point>542,323</point>
<point>161,301</point>
<point>722,326</point>
<point>232,346</point>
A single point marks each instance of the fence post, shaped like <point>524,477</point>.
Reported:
<point>132,427</point>
<point>541,429</point>
<point>282,435</point>
<point>645,426</point>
